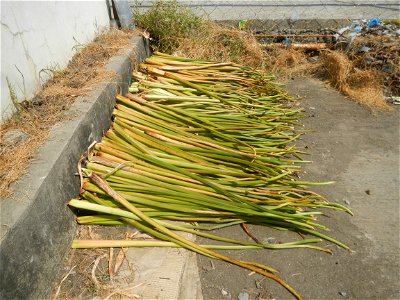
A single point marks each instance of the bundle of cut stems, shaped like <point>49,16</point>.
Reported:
<point>201,142</point>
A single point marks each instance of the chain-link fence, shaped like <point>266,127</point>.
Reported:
<point>269,15</point>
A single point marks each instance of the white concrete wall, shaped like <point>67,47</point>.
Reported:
<point>36,35</point>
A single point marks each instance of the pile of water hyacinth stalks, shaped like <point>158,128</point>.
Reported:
<point>202,143</point>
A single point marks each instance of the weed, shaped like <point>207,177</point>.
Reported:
<point>174,28</point>
<point>14,100</point>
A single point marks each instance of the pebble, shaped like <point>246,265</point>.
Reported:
<point>343,294</point>
<point>15,136</point>
<point>224,293</point>
<point>243,296</point>
<point>270,240</point>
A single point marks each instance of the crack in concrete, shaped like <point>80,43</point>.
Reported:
<point>14,34</point>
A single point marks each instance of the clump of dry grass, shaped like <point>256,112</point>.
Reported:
<point>287,63</point>
<point>220,43</point>
<point>48,106</point>
<point>360,85</point>
<point>383,57</point>
<point>363,86</point>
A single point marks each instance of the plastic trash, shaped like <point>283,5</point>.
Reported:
<point>393,99</point>
<point>364,49</point>
<point>356,30</point>
<point>287,42</point>
<point>373,22</point>
<point>343,30</point>
<point>243,24</point>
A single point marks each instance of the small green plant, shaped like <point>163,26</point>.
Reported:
<point>243,24</point>
<point>51,71</point>
<point>14,100</point>
<point>168,22</point>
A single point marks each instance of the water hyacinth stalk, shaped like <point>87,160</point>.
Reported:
<point>201,142</point>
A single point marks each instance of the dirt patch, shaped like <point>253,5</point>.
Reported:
<point>49,106</point>
<point>144,273</point>
<point>102,273</point>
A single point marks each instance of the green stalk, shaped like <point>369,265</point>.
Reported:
<point>202,142</point>
<point>179,240</point>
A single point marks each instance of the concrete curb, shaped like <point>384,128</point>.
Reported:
<point>36,225</point>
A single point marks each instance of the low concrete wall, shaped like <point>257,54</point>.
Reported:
<point>36,225</point>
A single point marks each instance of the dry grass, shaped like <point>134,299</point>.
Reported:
<point>287,63</point>
<point>222,44</point>
<point>383,57</point>
<point>360,85</point>
<point>174,28</point>
<point>48,106</point>
<point>79,283</point>
<point>86,272</point>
